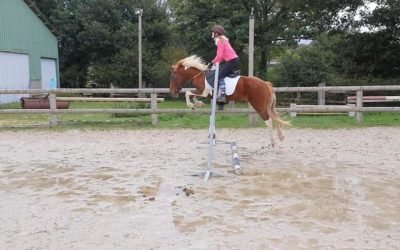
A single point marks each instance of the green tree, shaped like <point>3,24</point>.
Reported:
<point>305,66</point>
<point>374,53</point>
<point>385,17</point>
<point>276,21</point>
<point>363,55</point>
<point>98,40</point>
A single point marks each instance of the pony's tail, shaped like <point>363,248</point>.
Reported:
<point>275,116</point>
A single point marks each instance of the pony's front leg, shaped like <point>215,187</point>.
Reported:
<point>197,103</point>
<point>188,94</point>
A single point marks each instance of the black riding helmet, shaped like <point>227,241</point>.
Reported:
<point>218,29</point>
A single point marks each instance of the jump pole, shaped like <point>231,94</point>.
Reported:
<point>235,159</point>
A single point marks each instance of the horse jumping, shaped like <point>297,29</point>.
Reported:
<point>260,94</point>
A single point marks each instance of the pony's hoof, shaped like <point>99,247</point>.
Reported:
<point>281,138</point>
<point>191,106</point>
<point>199,104</point>
<point>268,146</point>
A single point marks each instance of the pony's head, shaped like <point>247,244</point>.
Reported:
<point>179,74</point>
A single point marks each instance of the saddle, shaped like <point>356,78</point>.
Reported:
<point>211,74</point>
<point>234,74</point>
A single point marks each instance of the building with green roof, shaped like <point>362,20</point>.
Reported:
<point>28,49</point>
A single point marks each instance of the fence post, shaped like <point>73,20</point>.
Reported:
<point>293,114</point>
<point>231,104</point>
<point>253,117</point>
<point>153,105</point>
<point>53,107</point>
<point>359,105</point>
<point>321,95</point>
<point>352,113</point>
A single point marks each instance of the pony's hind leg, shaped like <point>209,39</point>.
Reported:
<point>280,133</point>
<point>262,111</point>
<point>268,123</point>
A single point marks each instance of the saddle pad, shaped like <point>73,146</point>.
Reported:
<point>230,85</point>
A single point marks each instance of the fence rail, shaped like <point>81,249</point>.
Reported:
<point>321,109</point>
<point>352,99</point>
<point>154,111</point>
<point>336,89</point>
<point>108,99</point>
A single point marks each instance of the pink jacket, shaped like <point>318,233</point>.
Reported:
<point>225,52</point>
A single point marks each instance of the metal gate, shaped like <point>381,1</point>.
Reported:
<point>14,74</point>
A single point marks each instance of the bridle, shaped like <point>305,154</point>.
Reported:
<point>180,86</point>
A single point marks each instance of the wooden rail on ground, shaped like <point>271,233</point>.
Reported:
<point>154,111</point>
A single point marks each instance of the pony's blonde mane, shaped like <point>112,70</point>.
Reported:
<point>193,61</point>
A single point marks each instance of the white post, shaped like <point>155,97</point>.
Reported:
<point>251,43</point>
<point>352,113</point>
<point>293,113</point>
<point>139,12</point>
<point>253,117</point>
<point>153,104</point>
<point>321,95</point>
<point>53,107</point>
<point>359,104</point>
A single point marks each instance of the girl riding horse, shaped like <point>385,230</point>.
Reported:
<point>225,53</point>
<point>259,93</point>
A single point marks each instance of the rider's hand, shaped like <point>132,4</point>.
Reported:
<point>213,67</point>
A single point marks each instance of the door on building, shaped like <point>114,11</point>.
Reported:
<point>14,74</point>
<point>49,73</point>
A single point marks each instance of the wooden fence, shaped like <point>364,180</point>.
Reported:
<point>154,111</point>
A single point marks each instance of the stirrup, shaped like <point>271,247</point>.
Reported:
<point>221,98</point>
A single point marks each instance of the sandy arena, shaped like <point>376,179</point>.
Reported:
<point>122,189</point>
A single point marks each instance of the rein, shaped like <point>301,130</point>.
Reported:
<point>179,87</point>
<point>201,72</point>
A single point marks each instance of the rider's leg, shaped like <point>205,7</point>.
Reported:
<point>221,98</point>
<point>221,92</point>
<point>225,70</point>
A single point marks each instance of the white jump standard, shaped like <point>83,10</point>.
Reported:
<point>212,138</point>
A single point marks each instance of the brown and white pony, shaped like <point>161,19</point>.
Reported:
<point>259,93</point>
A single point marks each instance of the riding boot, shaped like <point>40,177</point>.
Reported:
<point>220,105</point>
<point>221,98</point>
